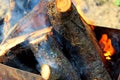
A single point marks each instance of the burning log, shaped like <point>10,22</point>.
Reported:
<point>48,51</point>
<point>78,44</point>
<point>74,39</point>
<point>59,66</point>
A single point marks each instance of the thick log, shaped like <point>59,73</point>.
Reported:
<point>50,54</point>
<point>9,73</point>
<point>48,51</point>
<point>78,43</point>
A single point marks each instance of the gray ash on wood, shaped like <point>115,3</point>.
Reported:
<point>50,54</point>
<point>78,47</point>
<point>69,52</point>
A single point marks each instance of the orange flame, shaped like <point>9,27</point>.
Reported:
<point>106,45</point>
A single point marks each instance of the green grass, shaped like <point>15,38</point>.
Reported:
<point>117,2</point>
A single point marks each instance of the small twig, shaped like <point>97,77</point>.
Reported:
<point>9,33</point>
<point>40,32</point>
<point>7,18</point>
<point>8,44</point>
<point>44,37</point>
<point>11,43</point>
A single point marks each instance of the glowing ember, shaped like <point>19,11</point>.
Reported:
<point>108,58</point>
<point>106,45</point>
<point>63,5</point>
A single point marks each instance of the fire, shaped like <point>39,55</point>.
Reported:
<point>106,45</point>
<point>63,5</point>
<point>105,42</point>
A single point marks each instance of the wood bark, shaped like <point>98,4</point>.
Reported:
<point>50,54</point>
<point>47,51</point>
<point>73,38</point>
<point>8,73</point>
<point>78,44</point>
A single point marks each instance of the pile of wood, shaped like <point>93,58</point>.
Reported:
<point>63,46</point>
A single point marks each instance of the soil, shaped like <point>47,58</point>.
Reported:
<point>103,13</point>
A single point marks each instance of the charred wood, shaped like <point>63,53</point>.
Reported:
<point>47,51</point>
<point>50,54</point>
<point>70,37</point>
<point>77,44</point>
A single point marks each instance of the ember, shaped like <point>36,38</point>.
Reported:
<point>106,45</point>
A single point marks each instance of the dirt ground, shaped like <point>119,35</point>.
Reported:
<point>104,13</point>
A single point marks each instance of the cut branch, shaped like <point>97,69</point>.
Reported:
<point>8,44</point>
<point>78,44</point>
<point>30,19</point>
<point>63,5</point>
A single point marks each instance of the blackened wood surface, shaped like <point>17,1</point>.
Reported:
<point>48,51</point>
<point>50,54</point>
<point>77,44</point>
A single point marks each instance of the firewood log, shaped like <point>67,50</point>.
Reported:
<point>9,73</point>
<point>47,53</point>
<point>78,43</point>
<point>50,54</point>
